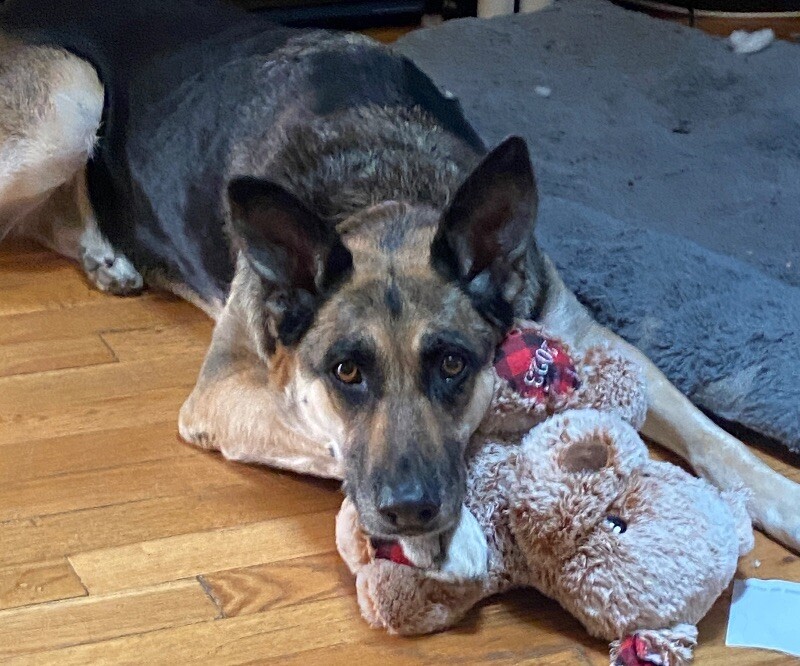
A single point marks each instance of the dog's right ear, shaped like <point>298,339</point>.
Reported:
<point>486,232</point>
<point>299,257</point>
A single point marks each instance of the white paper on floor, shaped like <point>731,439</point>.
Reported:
<point>765,614</point>
<point>744,42</point>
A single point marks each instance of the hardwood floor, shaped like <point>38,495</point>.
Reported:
<point>120,544</point>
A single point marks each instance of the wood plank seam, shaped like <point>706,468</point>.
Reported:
<point>98,564</point>
<point>17,586</point>
<point>262,588</point>
<point>330,631</point>
<point>102,337</point>
<point>213,597</point>
<point>64,632</point>
<point>32,520</point>
<point>106,468</point>
<point>22,359</point>
<point>35,521</point>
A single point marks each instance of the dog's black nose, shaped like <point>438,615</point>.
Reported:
<point>407,506</point>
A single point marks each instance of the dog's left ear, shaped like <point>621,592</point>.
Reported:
<point>485,233</point>
<point>299,257</point>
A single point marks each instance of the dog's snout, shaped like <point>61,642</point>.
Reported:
<point>408,506</point>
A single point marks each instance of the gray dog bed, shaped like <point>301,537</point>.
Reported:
<point>669,169</point>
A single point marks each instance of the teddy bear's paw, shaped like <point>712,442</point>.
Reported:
<point>404,600</point>
<point>351,542</point>
<point>663,647</point>
<point>612,383</point>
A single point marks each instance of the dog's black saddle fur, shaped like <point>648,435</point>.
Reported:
<point>186,82</point>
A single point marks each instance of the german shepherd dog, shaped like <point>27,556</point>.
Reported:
<point>362,252</point>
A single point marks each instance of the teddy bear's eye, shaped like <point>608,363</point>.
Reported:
<point>615,524</point>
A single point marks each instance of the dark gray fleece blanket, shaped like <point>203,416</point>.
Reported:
<point>669,169</point>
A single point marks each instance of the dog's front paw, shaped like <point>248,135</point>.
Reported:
<point>196,434</point>
<point>202,440</point>
<point>111,271</point>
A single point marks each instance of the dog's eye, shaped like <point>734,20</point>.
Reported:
<point>452,365</point>
<point>347,372</point>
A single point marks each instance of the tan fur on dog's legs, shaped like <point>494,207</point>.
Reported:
<point>50,111</point>
<point>675,423</point>
<point>236,409</point>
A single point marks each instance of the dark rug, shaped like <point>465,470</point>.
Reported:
<point>669,169</point>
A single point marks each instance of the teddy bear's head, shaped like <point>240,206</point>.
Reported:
<point>614,536</point>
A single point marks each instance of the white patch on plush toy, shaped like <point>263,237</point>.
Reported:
<point>462,554</point>
<point>422,552</point>
<point>466,551</point>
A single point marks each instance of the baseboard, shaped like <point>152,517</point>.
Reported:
<point>353,15</point>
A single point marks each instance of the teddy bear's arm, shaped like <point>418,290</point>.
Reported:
<point>611,382</point>
<point>406,599</point>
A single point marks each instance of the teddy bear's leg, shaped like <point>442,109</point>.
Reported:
<point>404,600</point>
<point>663,647</point>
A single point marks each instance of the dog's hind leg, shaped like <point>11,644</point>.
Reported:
<point>49,115</point>
<point>675,423</point>
<point>108,268</point>
<point>50,111</point>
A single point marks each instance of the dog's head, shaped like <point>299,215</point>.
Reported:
<point>393,322</point>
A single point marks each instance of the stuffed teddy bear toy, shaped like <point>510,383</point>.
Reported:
<point>635,549</point>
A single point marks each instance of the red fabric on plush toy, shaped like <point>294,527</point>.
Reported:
<point>535,366</point>
<point>390,550</point>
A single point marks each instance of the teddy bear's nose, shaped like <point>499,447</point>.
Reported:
<point>407,506</point>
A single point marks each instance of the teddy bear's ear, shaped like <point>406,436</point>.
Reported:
<point>583,440</point>
<point>588,455</point>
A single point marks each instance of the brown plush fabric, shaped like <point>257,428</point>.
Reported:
<point>576,509</point>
